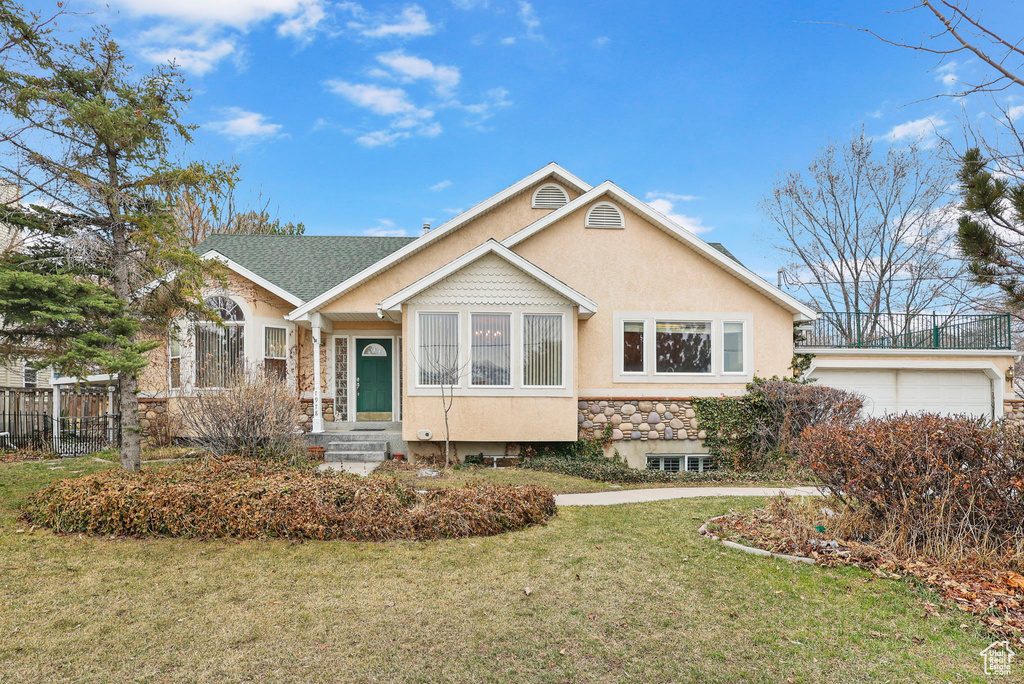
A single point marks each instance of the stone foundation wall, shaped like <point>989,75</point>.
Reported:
<point>151,411</point>
<point>306,415</point>
<point>640,419</point>
<point>1013,410</point>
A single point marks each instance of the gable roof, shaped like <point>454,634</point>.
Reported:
<point>343,285</point>
<point>394,303</point>
<point>301,265</point>
<point>799,310</point>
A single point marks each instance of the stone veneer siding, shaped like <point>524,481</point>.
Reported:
<point>1013,410</point>
<point>306,414</point>
<point>341,377</point>
<point>150,411</point>
<point>642,419</point>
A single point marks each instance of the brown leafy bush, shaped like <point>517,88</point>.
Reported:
<point>948,488</point>
<point>254,418</point>
<point>250,499</point>
<point>762,428</point>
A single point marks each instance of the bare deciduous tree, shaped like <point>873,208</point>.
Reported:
<point>868,231</point>
<point>201,216</point>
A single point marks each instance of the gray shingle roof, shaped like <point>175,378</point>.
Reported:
<point>305,265</point>
<point>309,265</point>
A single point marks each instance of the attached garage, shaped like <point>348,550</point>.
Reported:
<point>900,390</point>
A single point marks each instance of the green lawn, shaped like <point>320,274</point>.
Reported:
<point>617,594</point>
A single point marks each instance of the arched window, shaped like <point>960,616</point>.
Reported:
<point>605,215</point>
<point>550,196</point>
<point>220,347</point>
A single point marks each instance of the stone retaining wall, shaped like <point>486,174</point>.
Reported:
<point>641,419</point>
<point>1013,410</point>
<point>151,411</point>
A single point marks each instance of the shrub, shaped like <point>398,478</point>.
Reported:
<point>585,448</point>
<point>249,499</point>
<point>617,472</point>
<point>762,427</point>
<point>255,418</point>
<point>950,488</point>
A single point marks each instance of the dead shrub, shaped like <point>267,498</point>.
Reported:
<point>254,418</point>
<point>249,499</point>
<point>951,489</point>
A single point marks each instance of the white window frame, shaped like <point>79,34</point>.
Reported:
<point>511,349</point>
<point>264,356</point>
<point>522,341</point>
<point>705,462</point>
<point>460,352</point>
<point>652,376</point>
<point>27,369</point>
<point>175,336</point>
<point>743,350</point>
<point>622,216</point>
<point>653,345</point>
<point>622,347</point>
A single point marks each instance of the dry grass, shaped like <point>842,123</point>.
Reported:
<point>618,594</point>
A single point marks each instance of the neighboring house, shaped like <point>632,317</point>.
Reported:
<point>553,306</point>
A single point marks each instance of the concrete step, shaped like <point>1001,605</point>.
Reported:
<point>355,456</point>
<point>362,436</point>
<point>357,446</point>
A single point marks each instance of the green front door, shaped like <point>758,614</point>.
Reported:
<point>373,379</point>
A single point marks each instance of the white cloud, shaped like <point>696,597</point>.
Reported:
<point>494,99</point>
<point>470,4</point>
<point>303,25</point>
<point>672,196</point>
<point>601,41</point>
<point>411,21</point>
<point>408,68</point>
<point>916,130</point>
<point>194,60</point>
<point>378,99</point>
<point>385,228</point>
<point>244,125</point>
<point>236,13</point>
<point>946,74</point>
<point>440,186</point>
<point>690,223</point>
<point>531,22</point>
<point>1015,112</point>
<point>511,40</point>
<point>454,212</point>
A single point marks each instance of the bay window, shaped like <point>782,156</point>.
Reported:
<point>542,350</point>
<point>683,346</point>
<point>491,350</point>
<point>438,349</point>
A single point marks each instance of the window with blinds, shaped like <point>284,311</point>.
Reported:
<point>732,342</point>
<point>275,353</point>
<point>542,350</point>
<point>491,351</point>
<point>220,349</point>
<point>174,362</point>
<point>30,376</point>
<point>438,349</point>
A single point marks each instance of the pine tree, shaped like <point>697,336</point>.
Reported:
<point>94,147</point>
<point>990,235</point>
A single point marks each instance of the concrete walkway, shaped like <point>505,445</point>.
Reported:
<point>363,468</point>
<point>624,496</point>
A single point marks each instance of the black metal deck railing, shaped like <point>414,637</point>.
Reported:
<point>856,330</point>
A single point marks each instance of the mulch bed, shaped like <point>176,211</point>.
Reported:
<point>995,597</point>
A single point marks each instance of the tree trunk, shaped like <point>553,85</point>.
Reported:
<point>131,435</point>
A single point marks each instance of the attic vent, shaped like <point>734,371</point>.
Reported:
<point>550,196</point>
<point>605,215</point>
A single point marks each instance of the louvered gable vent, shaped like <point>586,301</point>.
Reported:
<point>550,196</point>
<point>605,215</point>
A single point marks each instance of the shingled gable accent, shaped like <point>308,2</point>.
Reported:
<point>552,170</point>
<point>393,304</point>
<point>800,311</point>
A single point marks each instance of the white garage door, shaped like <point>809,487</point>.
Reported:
<point>897,391</point>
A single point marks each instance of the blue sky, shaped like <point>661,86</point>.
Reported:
<point>374,117</point>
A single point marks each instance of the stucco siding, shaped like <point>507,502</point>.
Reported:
<point>493,419</point>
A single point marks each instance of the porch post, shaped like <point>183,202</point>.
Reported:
<point>318,405</point>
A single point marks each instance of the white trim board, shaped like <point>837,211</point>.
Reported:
<point>800,311</point>
<point>551,170</point>
<point>259,280</point>
<point>393,304</point>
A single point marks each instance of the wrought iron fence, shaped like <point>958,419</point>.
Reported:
<point>76,436</point>
<point>908,331</point>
